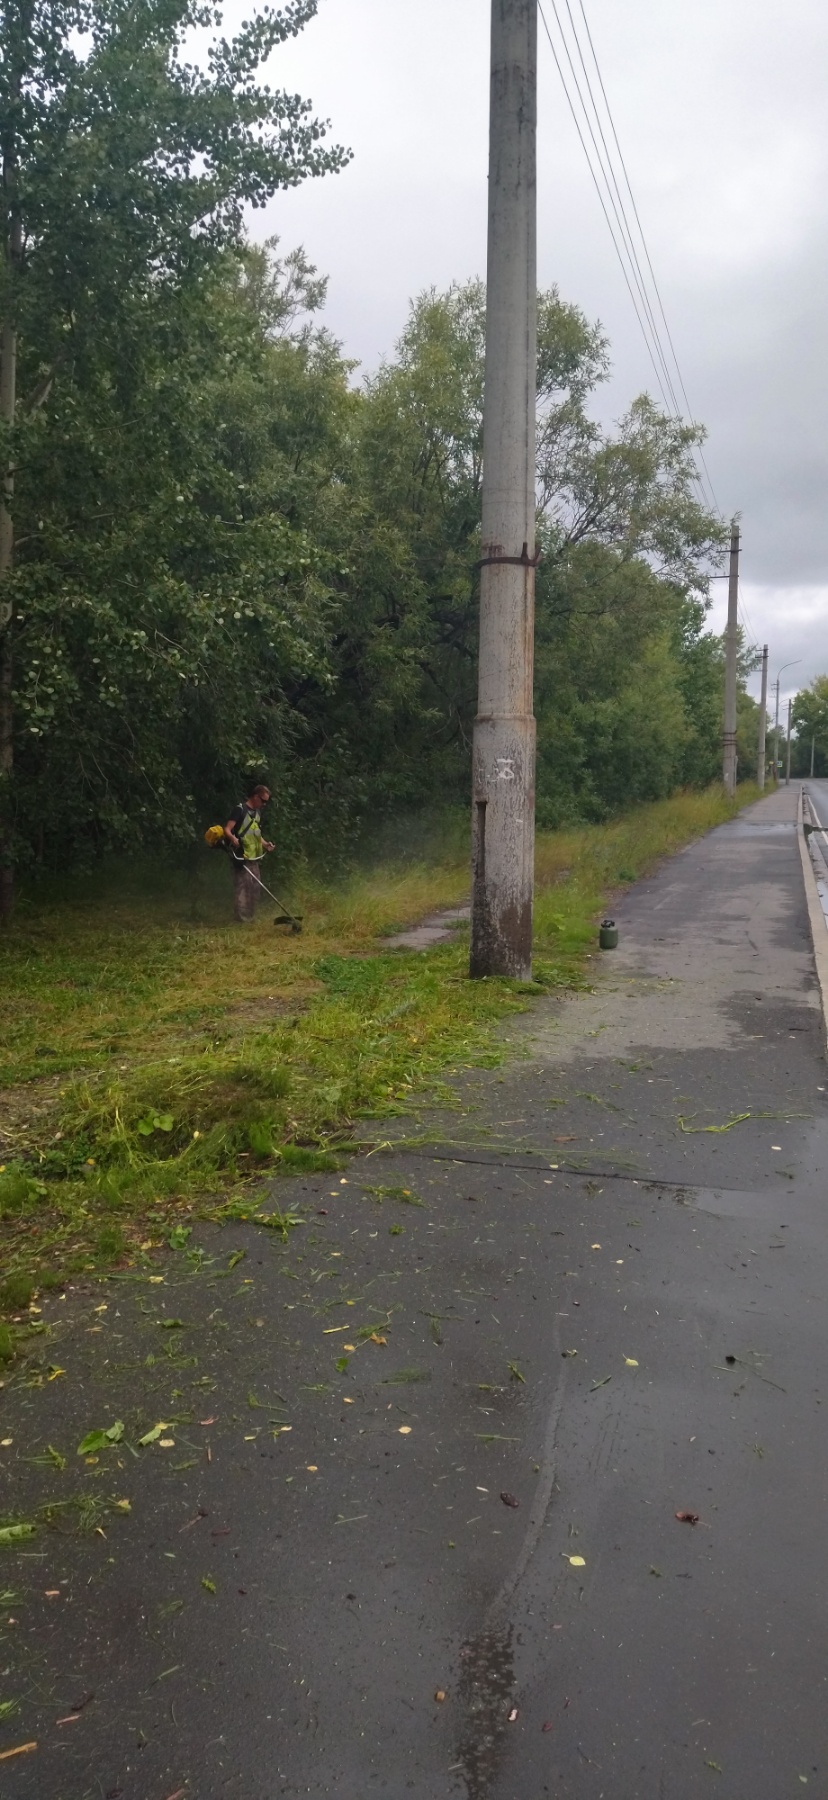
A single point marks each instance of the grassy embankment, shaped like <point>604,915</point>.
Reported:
<point>154,1058</point>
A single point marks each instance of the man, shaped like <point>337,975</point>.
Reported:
<point>243,833</point>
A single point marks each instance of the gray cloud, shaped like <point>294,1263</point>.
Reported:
<point>720,111</point>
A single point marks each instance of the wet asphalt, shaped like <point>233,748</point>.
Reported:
<point>410,1526</point>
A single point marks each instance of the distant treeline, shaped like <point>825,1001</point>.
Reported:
<point>235,557</point>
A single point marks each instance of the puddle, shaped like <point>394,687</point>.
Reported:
<point>730,1203</point>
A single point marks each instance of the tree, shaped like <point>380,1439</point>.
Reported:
<point>125,172</point>
<point>809,723</point>
<point>623,577</point>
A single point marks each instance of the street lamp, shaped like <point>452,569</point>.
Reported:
<point>787,665</point>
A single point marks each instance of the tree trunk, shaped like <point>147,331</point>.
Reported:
<point>8,386</point>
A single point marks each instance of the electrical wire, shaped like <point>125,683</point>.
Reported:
<point>641,281</point>
<point>651,336</point>
<point>625,249</point>
<point>611,180</point>
<point>656,287</point>
<point>603,205</point>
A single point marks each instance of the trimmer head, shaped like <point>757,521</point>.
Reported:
<point>295,922</point>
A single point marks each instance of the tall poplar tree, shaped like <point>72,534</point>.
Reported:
<point>125,171</point>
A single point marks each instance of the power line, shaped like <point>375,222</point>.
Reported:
<point>609,174</point>
<point>626,249</point>
<point>656,287</point>
<point>651,314</point>
<point>603,206</point>
<point>610,182</point>
<point>616,246</point>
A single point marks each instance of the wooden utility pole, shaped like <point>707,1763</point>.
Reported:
<point>503,810</point>
<point>763,721</point>
<point>731,656</point>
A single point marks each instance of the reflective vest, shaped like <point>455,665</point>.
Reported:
<point>250,837</point>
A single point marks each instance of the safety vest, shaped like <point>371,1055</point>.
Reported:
<point>250,837</point>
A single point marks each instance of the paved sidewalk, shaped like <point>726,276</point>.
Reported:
<point>601,1283</point>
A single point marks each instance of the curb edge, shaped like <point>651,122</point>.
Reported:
<point>816,917</point>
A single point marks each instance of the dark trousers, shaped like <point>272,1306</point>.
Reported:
<point>247,892</point>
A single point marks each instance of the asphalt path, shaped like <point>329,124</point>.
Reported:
<point>412,1526</point>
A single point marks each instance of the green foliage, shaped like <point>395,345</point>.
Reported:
<point>809,720</point>
<point>151,569</point>
<point>233,561</point>
<point>230,559</point>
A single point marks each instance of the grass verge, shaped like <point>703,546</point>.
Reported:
<point>154,1059</point>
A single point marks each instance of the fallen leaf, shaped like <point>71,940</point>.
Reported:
<point>19,1750</point>
<point>123,1506</point>
<point>100,1440</point>
<point>547,1725</point>
<point>595,1246</point>
<point>714,1765</point>
<point>513,1715</point>
<point>565,1140</point>
<point>208,1421</point>
<point>578,1562</point>
<point>207,1583</point>
<point>349,1346</point>
<point>376,1339</point>
<point>439,1694</point>
<point>166,1443</point>
<point>631,1362</point>
<point>312,1468</point>
<point>509,1500</point>
<point>601,1383</point>
<point>68,1720</point>
<point>405,1431</point>
<point>687,1518</point>
<point>15,1534</point>
<point>152,1436</point>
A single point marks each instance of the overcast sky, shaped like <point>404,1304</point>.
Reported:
<point>721,112</point>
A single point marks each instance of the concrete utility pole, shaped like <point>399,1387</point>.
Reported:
<point>731,651</point>
<point>503,811</point>
<point>763,720</point>
<point>788,665</point>
<point>788,752</point>
<point>776,736</point>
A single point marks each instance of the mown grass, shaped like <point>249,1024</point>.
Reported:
<point>154,1057</point>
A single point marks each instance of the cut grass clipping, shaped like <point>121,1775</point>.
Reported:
<point>153,1058</point>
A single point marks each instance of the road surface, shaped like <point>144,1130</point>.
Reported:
<point>586,1308</point>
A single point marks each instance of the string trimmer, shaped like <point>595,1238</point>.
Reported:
<point>294,920</point>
